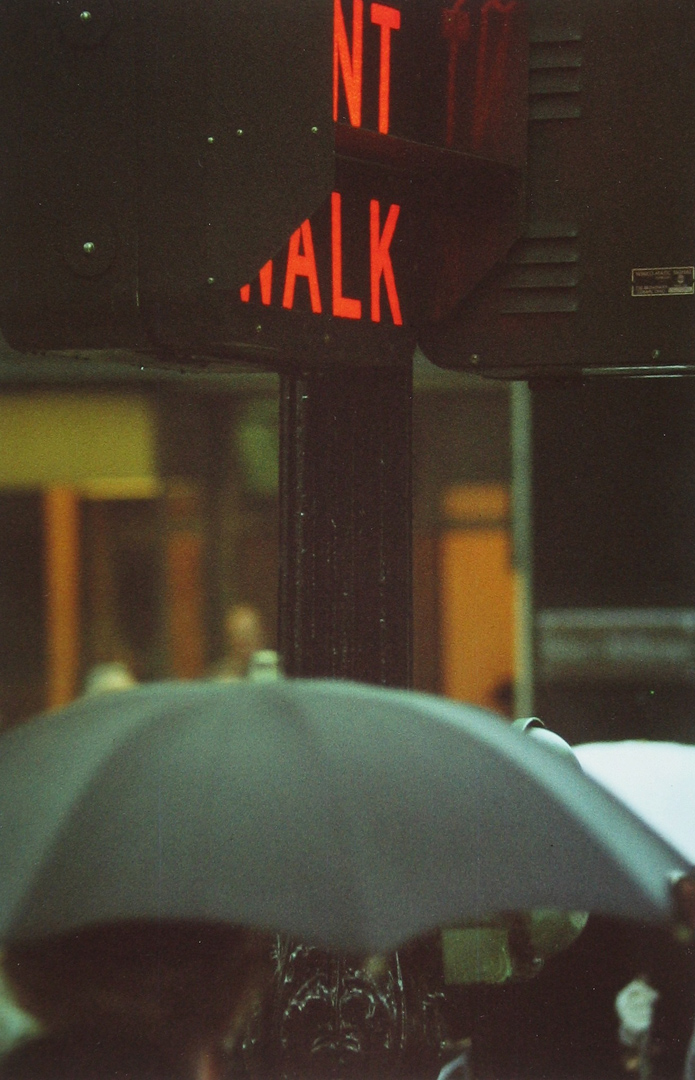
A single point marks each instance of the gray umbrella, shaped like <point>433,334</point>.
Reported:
<point>350,816</point>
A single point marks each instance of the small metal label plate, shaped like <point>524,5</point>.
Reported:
<point>663,281</point>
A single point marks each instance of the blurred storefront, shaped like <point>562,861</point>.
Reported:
<point>135,514</point>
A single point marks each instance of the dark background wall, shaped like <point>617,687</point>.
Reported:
<point>614,527</point>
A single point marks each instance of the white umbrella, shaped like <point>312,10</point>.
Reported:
<point>656,780</point>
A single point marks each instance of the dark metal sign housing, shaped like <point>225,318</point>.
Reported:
<point>158,155</point>
<point>611,189</point>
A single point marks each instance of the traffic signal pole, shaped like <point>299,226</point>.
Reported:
<point>345,609</point>
<point>346,524</point>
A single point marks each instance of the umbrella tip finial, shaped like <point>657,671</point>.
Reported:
<point>534,726</point>
<point>528,723</point>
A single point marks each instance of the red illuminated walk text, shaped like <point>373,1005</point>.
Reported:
<point>301,263</point>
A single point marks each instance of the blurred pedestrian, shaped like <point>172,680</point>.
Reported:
<point>105,678</point>
<point>134,1001</point>
<point>634,1005</point>
<point>245,635</point>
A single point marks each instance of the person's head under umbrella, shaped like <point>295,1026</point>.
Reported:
<point>134,1001</point>
<point>245,636</point>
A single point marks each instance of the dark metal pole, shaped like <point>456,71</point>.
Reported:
<point>346,612</point>
<point>346,524</point>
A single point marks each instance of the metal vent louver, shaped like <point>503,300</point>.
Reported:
<point>555,69</point>
<point>542,271</point>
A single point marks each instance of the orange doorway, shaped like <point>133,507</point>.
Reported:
<point>477,596</point>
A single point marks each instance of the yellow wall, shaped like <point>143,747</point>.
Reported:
<point>102,443</point>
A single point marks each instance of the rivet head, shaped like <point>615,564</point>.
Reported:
<point>258,328</point>
<point>240,131</point>
<point>87,243</point>
<point>211,281</point>
<point>474,358</point>
<point>314,130</point>
<point>656,353</point>
<point>211,139</point>
<point>82,23</point>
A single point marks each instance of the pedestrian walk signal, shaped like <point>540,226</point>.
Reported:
<point>260,181</point>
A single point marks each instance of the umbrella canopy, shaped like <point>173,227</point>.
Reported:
<point>350,816</point>
<point>655,779</point>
